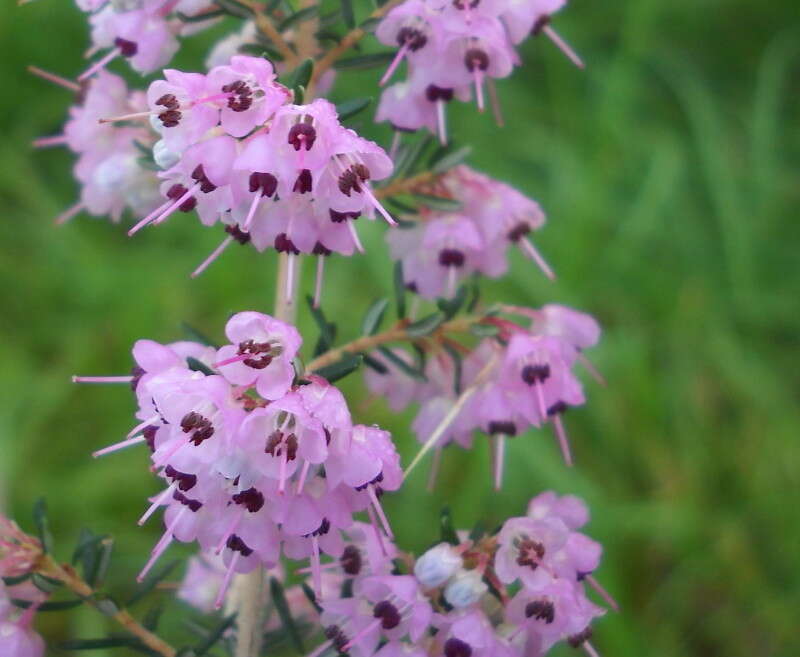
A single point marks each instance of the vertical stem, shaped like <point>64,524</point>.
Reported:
<point>249,590</point>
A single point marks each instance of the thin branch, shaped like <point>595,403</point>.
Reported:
<point>348,41</point>
<point>69,578</point>
<point>267,28</point>
<point>404,185</point>
<point>396,334</point>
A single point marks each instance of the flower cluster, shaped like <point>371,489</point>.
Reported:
<point>444,247</point>
<point>258,462</point>
<point>516,593</point>
<point>523,377</point>
<point>453,47</point>
<point>142,31</point>
<point>18,553</point>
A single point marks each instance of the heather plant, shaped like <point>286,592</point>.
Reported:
<point>264,466</point>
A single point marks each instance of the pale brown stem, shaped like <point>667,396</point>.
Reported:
<point>396,334</point>
<point>405,185</point>
<point>69,578</point>
<point>348,41</point>
<point>267,28</point>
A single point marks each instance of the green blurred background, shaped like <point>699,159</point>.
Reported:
<point>669,170</point>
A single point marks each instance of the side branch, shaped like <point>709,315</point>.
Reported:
<point>396,334</point>
<point>348,41</point>
<point>404,185</point>
<point>267,28</point>
<point>69,578</point>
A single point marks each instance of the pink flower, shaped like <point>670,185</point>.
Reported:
<point>179,109</point>
<point>261,353</point>
<point>526,549</point>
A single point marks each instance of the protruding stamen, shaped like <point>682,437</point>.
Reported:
<point>161,499</point>
<point>396,138</point>
<point>589,648</point>
<point>531,251</point>
<point>540,400</point>
<point>140,427</point>
<point>141,224</point>
<point>494,100</point>
<point>477,75</point>
<point>102,379</point>
<point>252,211</point>
<point>125,117</point>
<point>351,226</point>
<point>318,280</point>
<point>395,63</point>
<point>100,63</point>
<point>70,213</point>
<point>563,441</point>
<point>55,79</point>
<point>563,46</point>
<point>316,570</point>
<point>592,369</point>
<point>378,533</point>
<point>121,445</point>
<point>226,582</point>
<point>608,599</point>
<point>379,510</point>
<point>231,529</point>
<point>434,471</point>
<point>377,204</point>
<point>301,482</point>
<point>47,142</point>
<point>290,267</point>
<point>441,120</point>
<point>216,253</point>
<point>177,204</point>
<point>499,459</point>
<point>163,544</point>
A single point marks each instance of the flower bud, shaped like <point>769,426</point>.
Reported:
<point>163,156</point>
<point>437,565</point>
<point>465,589</point>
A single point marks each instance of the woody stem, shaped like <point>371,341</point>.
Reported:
<point>68,577</point>
<point>267,28</point>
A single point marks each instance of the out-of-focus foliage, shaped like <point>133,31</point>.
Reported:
<point>669,170</point>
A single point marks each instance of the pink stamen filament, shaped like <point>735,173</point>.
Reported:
<point>233,359</point>
<point>163,544</point>
<point>55,79</point>
<point>251,212</point>
<point>530,250</point>
<point>602,592</point>
<point>282,474</point>
<point>121,445</point>
<point>318,280</point>
<point>125,117</point>
<point>378,534</point>
<point>102,379</point>
<point>142,425</point>
<point>301,482</point>
<point>229,532</point>
<point>589,648</point>
<point>563,46</point>
<point>216,253</point>
<point>141,224</point>
<point>354,234</point>
<point>69,213</point>
<point>395,63</point>
<point>211,99</point>
<point>100,63</point>
<point>323,566</point>
<point>494,100</point>
<point>396,139</point>
<point>161,499</point>
<point>442,122</point>
<point>290,267</point>
<point>226,582</point>
<point>377,204</point>
<point>187,195</point>
<point>563,441</point>
<point>499,460</point>
<point>540,400</point>
<point>46,142</point>
<point>452,274</point>
<point>316,571</point>
<point>477,74</point>
<point>163,459</point>
<point>592,370</point>
<point>379,510</point>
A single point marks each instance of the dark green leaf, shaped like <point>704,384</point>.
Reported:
<point>450,307</point>
<point>260,50</point>
<point>199,18</point>
<point>474,294</point>
<point>151,581</point>
<point>484,330</point>
<point>197,335</point>
<point>301,75</point>
<point>408,160</point>
<point>477,531</point>
<point>455,355</point>
<point>399,206</point>
<point>186,652</point>
<point>403,366</point>
<point>438,203</point>
<point>375,364</point>
<point>448,533</point>
<point>350,108</point>
<point>198,366</point>
<point>45,584</point>
<point>348,13</point>
<point>426,325</point>
<point>153,616</point>
<point>420,356</point>
<point>370,24</point>
<point>216,634</point>
<point>42,524</point>
<point>18,579</point>
<point>374,317</point>
<point>61,605</point>
<point>449,160</point>
<point>282,607</point>
<point>363,62</point>
<point>399,290</point>
<point>312,597</point>
<point>347,365</point>
<point>399,567</point>
<point>101,644</point>
<point>298,17</point>
<point>327,330</point>
<point>234,8</point>
<point>106,606</point>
